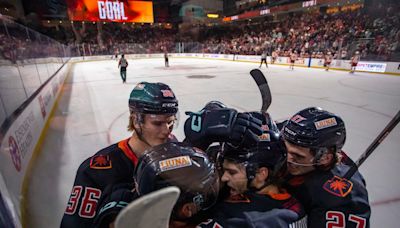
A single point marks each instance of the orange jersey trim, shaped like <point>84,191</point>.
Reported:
<point>280,196</point>
<point>123,145</point>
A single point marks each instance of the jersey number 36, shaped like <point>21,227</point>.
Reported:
<point>88,201</point>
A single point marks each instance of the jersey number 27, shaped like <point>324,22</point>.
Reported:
<point>337,219</point>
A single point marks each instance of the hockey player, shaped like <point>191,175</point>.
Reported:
<point>293,58</point>
<point>354,61</point>
<point>193,173</point>
<point>274,56</point>
<point>252,173</point>
<point>152,109</point>
<point>166,62</point>
<point>123,64</point>
<point>314,139</point>
<point>327,60</point>
<point>264,59</point>
<point>169,164</point>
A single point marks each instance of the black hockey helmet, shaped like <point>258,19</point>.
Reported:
<point>269,151</point>
<point>153,98</point>
<point>316,129</point>
<point>175,164</point>
<point>212,105</point>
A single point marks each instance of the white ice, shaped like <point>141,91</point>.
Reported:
<point>93,112</point>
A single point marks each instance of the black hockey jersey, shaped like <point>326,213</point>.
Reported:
<point>257,210</point>
<point>331,201</point>
<point>113,164</point>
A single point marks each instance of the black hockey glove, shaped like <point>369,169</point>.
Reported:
<point>221,125</point>
<point>114,198</point>
<point>208,126</point>
<point>246,130</point>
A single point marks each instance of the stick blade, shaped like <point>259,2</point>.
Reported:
<point>149,211</point>
<point>263,86</point>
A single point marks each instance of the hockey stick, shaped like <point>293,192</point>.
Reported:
<point>149,211</point>
<point>262,84</point>
<point>389,127</point>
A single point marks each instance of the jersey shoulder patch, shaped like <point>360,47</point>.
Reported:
<point>338,186</point>
<point>100,162</point>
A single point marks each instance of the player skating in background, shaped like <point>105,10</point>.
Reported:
<point>293,58</point>
<point>327,60</point>
<point>166,61</point>
<point>274,56</point>
<point>314,139</point>
<point>264,59</point>
<point>123,64</point>
<point>354,61</point>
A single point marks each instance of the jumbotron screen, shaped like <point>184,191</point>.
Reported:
<point>111,10</point>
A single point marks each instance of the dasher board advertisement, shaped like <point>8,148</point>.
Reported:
<point>111,10</point>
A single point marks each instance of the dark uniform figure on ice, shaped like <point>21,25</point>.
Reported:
<point>314,139</point>
<point>166,61</point>
<point>152,109</point>
<point>123,64</point>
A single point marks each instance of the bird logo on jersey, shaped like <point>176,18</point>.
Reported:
<point>338,186</point>
<point>100,162</point>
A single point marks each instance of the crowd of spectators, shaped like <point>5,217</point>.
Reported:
<point>375,35</point>
<point>313,34</point>
<point>19,43</point>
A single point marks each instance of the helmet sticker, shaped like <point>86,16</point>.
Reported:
<point>297,118</point>
<point>265,137</point>
<point>174,163</point>
<point>322,124</point>
<point>139,86</point>
<point>167,93</point>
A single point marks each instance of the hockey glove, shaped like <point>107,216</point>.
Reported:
<point>208,126</point>
<point>221,125</point>
<point>245,131</point>
<point>114,198</point>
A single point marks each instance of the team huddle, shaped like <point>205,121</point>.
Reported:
<point>233,169</point>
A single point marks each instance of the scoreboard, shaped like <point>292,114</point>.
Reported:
<point>111,10</point>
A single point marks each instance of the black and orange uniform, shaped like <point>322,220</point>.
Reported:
<point>111,165</point>
<point>257,210</point>
<point>331,201</point>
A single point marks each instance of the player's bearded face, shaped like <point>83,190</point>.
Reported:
<point>299,159</point>
<point>156,128</point>
<point>234,177</point>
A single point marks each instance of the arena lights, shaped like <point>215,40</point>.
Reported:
<point>212,15</point>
